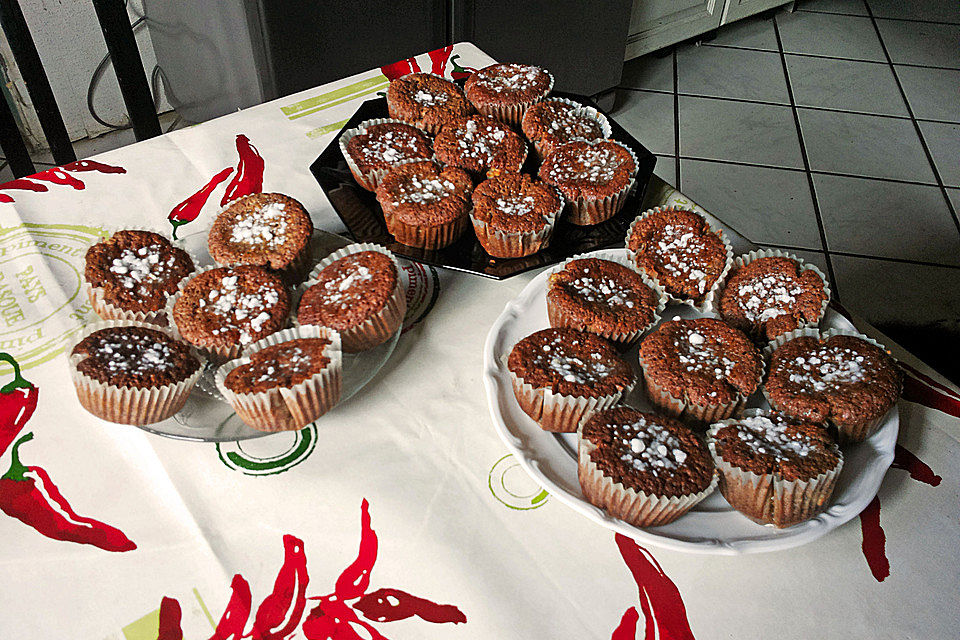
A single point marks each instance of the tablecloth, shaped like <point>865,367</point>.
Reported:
<point>399,514</point>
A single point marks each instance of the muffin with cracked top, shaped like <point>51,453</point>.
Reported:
<point>376,146</point>
<point>482,146</point>
<point>554,122</point>
<point>506,91</point>
<point>426,101</point>
<point>594,177</point>
<point>514,215</point>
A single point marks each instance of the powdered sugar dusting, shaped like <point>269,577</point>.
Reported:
<point>243,311</point>
<point>767,437</point>
<point>828,367</point>
<point>596,165</point>
<point>510,78</point>
<point>555,357</point>
<point>678,250</point>
<point>267,226</point>
<point>142,267</point>
<point>391,146</point>
<point>766,297</point>
<point>419,190</point>
<point>648,446</point>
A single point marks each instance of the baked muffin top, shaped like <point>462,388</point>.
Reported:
<point>515,202</point>
<point>423,194</point>
<point>283,365</point>
<point>506,84</point>
<point>348,291</point>
<point>426,100</point>
<point>136,270</point>
<point>589,170</point>
<point>481,145</point>
<point>648,452</point>
<point>841,378</point>
<point>680,250</point>
<point>134,357</point>
<point>265,229</point>
<point>772,442</point>
<point>570,362</point>
<point>383,145</point>
<point>552,123</point>
<point>706,361</point>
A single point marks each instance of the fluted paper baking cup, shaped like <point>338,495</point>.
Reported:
<point>128,405</point>
<point>543,150</point>
<point>712,301</point>
<point>371,178</point>
<point>626,503</point>
<point>516,244</point>
<point>423,237</point>
<point>848,433</point>
<point>558,318</point>
<point>379,326</point>
<point>512,114</point>
<point>558,412</point>
<point>287,408</point>
<point>767,498</point>
<point>702,305</point>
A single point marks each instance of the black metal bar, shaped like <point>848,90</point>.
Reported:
<point>31,68</point>
<point>122,46</point>
<point>14,150</point>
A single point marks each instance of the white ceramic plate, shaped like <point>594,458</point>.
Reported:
<point>713,526</point>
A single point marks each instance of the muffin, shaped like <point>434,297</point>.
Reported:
<point>844,379</point>
<point>376,146</point>
<point>425,206</point>
<point>679,250</point>
<point>604,297</point>
<point>505,91</point>
<point>770,293</point>
<point>561,376</point>
<point>594,177</point>
<point>263,229</point>
<point>774,469</point>
<point>285,381</point>
<point>223,309</point>
<point>358,292</point>
<point>554,122</point>
<point>131,372</point>
<point>514,215</point>
<point>426,101</point>
<point>482,146</point>
<point>702,370</point>
<point>646,469</point>
<point>130,275</point>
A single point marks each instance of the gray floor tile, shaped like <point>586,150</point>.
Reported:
<point>829,35</point>
<point>752,33</point>
<point>649,72</point>
<point>869,146</point>
<point>765,205</point>
<point>924,43</point>
<point>845,84</point>
<point>943,140</point>
<point>932,93</point>
<point>739,131</point>
<point>731,73</point>
<point>954,195</point>
<point>853,7</point>
<point>817,258</point>
<point>667,169</point>
<point>933,10</point>
<point>868,217</point>
<point>649,118</point>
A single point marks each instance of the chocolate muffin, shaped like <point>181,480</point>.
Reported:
<point>602,297</point>
<point>426,101</point>
<point>773,468</point>
<point>679,250</point>
<point>840,378</point>
<point>643,468</point>
<point>132,373</point>
<point>594,177</point>
<point>561,376</point>
<point>425,206</point>
<point>221,310</point>
<point>768,296</point>
<point>285,381</point>
<point>130,275</point>
<point>554,122</point>
<point>703,370</point>
<point>376,146</point>
<point>514,215</point>
<point>482,146</point>
<point>356,291</point>
<point>505,91</point>
<point>264,229</point>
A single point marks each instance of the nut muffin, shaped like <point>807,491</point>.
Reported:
<point>594,177</point>
<point>514,215</point>
<point>554,122</point>
<point>482,146</point>
<point>376,146</point>
<point>426,101</point>
<point>505,91</point>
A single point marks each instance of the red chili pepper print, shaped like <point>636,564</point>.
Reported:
<point>666,617</point>
<point>289,594</point>
<point>458,72</point>
<point>355,579</point>
<point>387,605</point>
<point>188,210</point>
<point>18,401</point>
<point>249,176</point>
<point>438,59</point>
<point>170,615</point>
<point>25,185</point>
<point>400,68</point>
<point>918,469</point>
<point>627,629</point>
<point>58,176</point>
<point>922,389</point>
<point>5,198</point>
<point>29,495</point>
<point>874,541</point>
<point>235,616</point>
<point>93,165</point>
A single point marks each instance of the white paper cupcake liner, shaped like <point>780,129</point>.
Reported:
<point>512,114</point>
<point>516,244</point>
<point>128,405</point>
<point>626,503</point>
<point>380,326</point>
<point>767,498</point>
<point>702,306</point>
<point>371,178</point>
<point>542,151</point>
<point>557,412</point>
<point>849,433</point>
<point>429,238</point>
<point>712,301</point>
<point>288,408</point>
<point>559,319</point>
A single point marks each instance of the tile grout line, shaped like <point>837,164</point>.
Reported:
<point>806,164</point>
<point>815,55</point>
<point>676,115</point>
<point>860,15</point>
<point>851,254</point>
<point>916,124</point>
